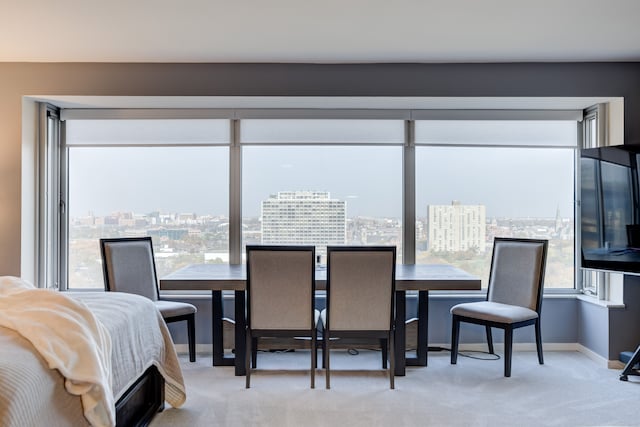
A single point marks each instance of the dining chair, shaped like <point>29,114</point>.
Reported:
<point>360,299</point>
<point>280,297</point>
<point>514,296</point>
<point>128,266</point>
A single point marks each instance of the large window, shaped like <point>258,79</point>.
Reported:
<point>203,188</point>
<point>168,179</point>
<point>476,180</point>
<point>322,182</point>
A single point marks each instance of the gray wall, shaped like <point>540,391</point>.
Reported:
<point>593,327</point>
<point>442,80</point>
<point>559,322</point>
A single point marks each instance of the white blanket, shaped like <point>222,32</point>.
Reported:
<point>68,337</point>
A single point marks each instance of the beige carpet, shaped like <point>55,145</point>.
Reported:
<point>568,390</point>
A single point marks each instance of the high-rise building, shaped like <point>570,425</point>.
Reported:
<point>456,227</point>
<point>304,218</point>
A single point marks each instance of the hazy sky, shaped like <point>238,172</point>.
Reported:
<point>510,182</point>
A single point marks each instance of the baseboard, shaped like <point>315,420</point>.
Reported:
<point>206,350</point>
<point>201,349</point>
<point>516,346</point>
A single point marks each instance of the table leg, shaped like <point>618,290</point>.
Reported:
<point>216,331</point>
<point>400,333</point>
<point>240,333</point>
<point>423,331</point>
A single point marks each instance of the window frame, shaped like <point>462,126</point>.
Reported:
<point>49,207</point>
<point>80,114</point>
<point>519,115</point>
<point>235,159</point>
<point>594,283</point>
<point>352,115</point>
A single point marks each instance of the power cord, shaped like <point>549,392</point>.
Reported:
<point>469,354</point>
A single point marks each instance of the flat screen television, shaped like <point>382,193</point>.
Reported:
<point>610,215</point>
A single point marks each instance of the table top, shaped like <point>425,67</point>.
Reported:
<point>227,277</point>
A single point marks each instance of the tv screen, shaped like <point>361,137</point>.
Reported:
<point>610,218</point>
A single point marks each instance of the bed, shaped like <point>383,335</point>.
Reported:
<point>142,365</point>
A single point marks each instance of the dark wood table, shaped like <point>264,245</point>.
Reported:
<point>225,277</point>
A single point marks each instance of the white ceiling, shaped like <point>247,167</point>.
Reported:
<point>325,31</point>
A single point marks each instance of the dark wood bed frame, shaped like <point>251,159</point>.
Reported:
<point>139,404</point>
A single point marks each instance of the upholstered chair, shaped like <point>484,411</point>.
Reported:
<point>360,298</point>
<point>128,266</point>
<point>280,297</point>
<point>514,296</point>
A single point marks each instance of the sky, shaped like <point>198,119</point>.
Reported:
<point>513,183</point>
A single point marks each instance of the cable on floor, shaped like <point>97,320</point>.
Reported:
<point>470,353</point>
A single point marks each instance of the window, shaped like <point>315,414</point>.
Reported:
<point>48,156</point>
<point>322,182</point>
<point>168,179</point>
<point>596,283</point>
<point>204,187</point>
<point>476,180</point>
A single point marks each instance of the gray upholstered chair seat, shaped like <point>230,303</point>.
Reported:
<point>494,312</point>
<point>174,308</point>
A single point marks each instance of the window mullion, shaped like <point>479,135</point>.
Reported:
<point>409,194</point>
<point>235,195</point>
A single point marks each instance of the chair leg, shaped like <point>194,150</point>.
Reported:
<point>191,332</point>
<point>314,358</point>
<point>489,339</point>
<point>315,353</point>
<point>254,352</point>
<point>539,342</point>
<point>325,357</point>
<point>324,350</point>
<point>392,368</point>
<point>247,361</point>
<point>383,345</point>
<point>455,332</point>
<point>508,344</point>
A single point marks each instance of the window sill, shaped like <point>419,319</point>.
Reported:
<point>602,303</point>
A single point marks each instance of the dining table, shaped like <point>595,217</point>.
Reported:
<point>420,278</point>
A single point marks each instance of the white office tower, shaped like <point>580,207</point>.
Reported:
<point>304,218</point>
<point>457,227</point>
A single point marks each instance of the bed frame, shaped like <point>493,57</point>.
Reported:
<point>139,404</point>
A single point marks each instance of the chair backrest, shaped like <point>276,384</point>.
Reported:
<point>280,287</point>
<point>517,272</point>
<point>128,266</point>
<point>360,287</point>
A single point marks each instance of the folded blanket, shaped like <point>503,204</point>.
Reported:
<point>69,339</point>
